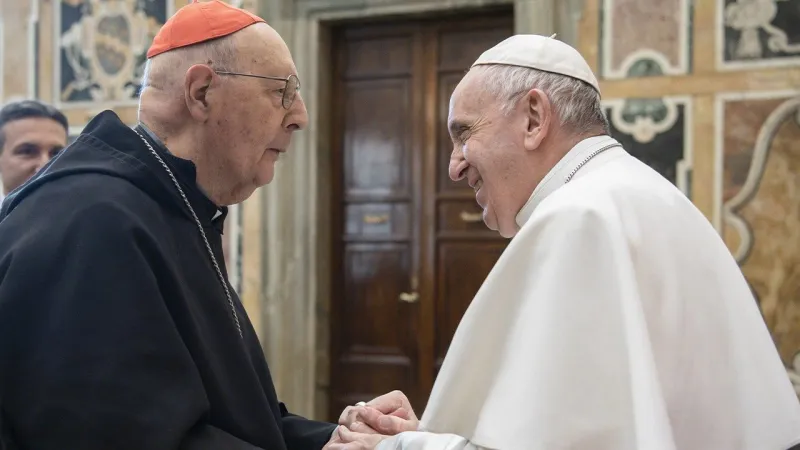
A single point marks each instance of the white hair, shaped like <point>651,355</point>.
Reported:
<point>576,103</point>
<point>162,69</point>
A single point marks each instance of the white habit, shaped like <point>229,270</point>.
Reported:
<point>616,319</point>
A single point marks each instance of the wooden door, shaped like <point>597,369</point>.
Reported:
<point>410,249</point>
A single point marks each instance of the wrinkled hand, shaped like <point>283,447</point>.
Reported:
<point>388,414</point>
<point>344,439</point>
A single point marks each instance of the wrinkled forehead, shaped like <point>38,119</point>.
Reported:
<point>470,96</point>
<point>262,49</point>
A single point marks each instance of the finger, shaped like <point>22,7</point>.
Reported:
<point>351,414</point>
<point>345,413</point>
<point>392,425</point>
<point>390,402</point>
<point>370,417</point>
<point>346,435</point>
<point>341,446</point>
<point>361,427</point>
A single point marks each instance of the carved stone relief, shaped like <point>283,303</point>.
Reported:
<point>757,33</point>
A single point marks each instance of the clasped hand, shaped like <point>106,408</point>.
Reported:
<point>363,427</point>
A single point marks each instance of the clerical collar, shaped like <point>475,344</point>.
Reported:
<point>208,205</point>
<point>557,175</point>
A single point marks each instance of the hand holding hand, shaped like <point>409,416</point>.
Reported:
<point>388,414</point>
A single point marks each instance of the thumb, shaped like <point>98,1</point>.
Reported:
<point>392,425</point>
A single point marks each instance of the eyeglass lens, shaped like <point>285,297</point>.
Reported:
<point>292,85</point>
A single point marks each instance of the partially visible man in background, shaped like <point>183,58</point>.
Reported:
<point>31,133</point>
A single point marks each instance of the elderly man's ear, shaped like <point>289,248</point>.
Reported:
<point>197,84</point>
<point>538,117</point>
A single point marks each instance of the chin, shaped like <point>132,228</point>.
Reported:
<point>507,230</point>
<point>239,196</point>
<point>508,234</point>
<point>264,178</point>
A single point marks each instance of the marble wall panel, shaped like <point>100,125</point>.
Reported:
<point>100,49</point>
<point>645,38</point>
<point>658,132</point>
<point>758,33</point>
<point>760,191</point>
<point>18,45</point>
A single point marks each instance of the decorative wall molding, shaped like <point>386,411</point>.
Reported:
<point>720,216</point>
<point>788,110</point>
<point>296,237</point>
<point>645,60</point>
<point>659,132</point>
<point>753,34</point>
<point>99,50</point>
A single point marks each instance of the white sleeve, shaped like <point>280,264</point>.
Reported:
<point>421,440</point>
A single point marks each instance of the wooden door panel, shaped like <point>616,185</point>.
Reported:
<point>458,49</point>
<point>377,139</point>
<point>379,221</point>
<point>375,253</point>
<point>400,225</point>
<point>377,346</point>
<point>462,217</point>
<point>369,57</point>
<point>375,276</point>
<point>462,267</point>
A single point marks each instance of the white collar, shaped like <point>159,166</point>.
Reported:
<point>557,175</point>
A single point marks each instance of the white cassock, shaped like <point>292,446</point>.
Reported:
<point>616,319</point>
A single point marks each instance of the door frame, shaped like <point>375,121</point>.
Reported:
<point>294,212</point>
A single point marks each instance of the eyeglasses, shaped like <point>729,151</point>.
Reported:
<point>289,91</point>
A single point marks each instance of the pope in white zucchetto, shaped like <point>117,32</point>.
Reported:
<point>616,319</point>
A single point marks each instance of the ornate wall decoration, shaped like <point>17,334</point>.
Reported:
<point>760,190</point>
<point>645,38</point>
<point>755,33</point>
<point>101,47</point>
<point>656,130</point>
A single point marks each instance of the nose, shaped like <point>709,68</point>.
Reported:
<point>458,165</point>
<point>297,119</point>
